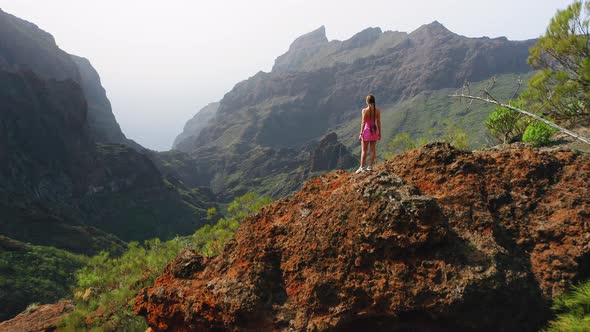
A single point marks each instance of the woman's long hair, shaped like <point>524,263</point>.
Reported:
<point>372,112</point>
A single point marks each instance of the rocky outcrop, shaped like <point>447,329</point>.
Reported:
<point>330,154</point>
<point>39,318</point>
<point>436,239</point>
<point>193,127</point>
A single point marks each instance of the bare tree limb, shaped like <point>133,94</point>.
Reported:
<point>490,97</point>
<point>538,118</point>
<point>519,82</point>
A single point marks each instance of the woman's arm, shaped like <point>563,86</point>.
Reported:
<point>362,124</point>
<point>379,122</point>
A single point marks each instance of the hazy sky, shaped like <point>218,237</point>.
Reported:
<point>161,61</point>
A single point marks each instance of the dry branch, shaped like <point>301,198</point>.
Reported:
<point>536,117</point>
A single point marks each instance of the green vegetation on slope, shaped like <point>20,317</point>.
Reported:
<point>428,114</point>
<point>507,126</point>
<point>538,133</point>
<point>106,286</point>
<point>34,273</point>
<point>453,135</point>
<point>138,203</point>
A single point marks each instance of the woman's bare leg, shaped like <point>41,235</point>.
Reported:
<point>364,148</point>
<point>373,146</point>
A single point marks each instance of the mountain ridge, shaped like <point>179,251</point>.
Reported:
<point>319,86</point>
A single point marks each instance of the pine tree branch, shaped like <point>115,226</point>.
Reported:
<point>536,117</point>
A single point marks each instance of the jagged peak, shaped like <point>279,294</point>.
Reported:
<point>362,38</point>
<point>433,28</point>
<point>313,38</point>
<point>369,30</point>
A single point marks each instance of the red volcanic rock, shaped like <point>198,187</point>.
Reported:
<point>436,239</point>
<point>40,319</point>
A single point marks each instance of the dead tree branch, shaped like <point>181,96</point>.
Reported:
<point>536,117</point>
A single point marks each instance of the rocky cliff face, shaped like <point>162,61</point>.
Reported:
<point>319,86</point>
<point>436,239</point>
<point>101,120</point>
<point>44,152</point>
<point>26,47</point>
<point>59,188</point>
<point>330,154</point>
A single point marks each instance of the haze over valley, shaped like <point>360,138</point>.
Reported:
<point>162,61</point>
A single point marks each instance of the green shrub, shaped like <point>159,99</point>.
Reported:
<point>36,274</point>
<point>209,240</point>
<point>573,310</point>
<point>538,133</point>
<point>506,125</point>
<point>107,285</point>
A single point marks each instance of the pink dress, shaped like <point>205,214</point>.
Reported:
<point>369,135</point>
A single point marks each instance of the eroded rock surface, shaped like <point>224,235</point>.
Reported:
<point>436,239</point>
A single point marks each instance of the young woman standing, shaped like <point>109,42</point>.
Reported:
<point>370,133</point>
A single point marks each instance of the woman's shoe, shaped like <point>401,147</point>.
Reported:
<point>360,170</point>
<point>369,168</point>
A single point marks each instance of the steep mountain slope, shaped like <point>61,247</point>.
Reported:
<point>58,186</point>
<point>437,239</point>
<point>44,150</point>
<point>26,47</point>
<point>101,120</point>
<point>319,86</point>
<point>193,127</point>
